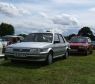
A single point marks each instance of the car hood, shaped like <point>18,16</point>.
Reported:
<point>30,45</point>
<point>78,44</point>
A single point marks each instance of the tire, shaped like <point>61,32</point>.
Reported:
<point>13,61</point>
<point>5,57</point>
<point>91,51</point>
<point>3,50</point>
<point>86,52</point>
<point>66,55</point>
<point>49,59</point>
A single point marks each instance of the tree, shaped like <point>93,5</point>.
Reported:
<point>6,29</point>
<point>86,31</point>
<point>71,35</point>
<point>23,35</point>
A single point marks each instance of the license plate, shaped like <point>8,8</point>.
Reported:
<point>19,55</point>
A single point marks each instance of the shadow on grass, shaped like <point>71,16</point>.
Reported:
<point>27,64</point>
<point>23,64</point>
<point>77,54</point>
<point>33,65</point>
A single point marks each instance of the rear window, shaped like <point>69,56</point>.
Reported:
<point>78,40</point>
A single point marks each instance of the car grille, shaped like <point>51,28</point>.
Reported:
<point>21,50</point>
<point>74,47</point>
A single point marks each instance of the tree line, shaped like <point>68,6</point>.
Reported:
<point>85,31</point>
<point>8,29</point>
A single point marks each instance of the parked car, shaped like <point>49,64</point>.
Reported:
<point>10,39</point>
<point>81,45</point>
<point>1,49</point>
<point>93,43</point>
<point>39,47</point>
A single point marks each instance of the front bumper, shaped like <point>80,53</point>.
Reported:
<point>26,56</point>
<point>2,55</point>
<point>78,50</point>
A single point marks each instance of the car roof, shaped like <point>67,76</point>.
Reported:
<point>12,36</point>
<point>41,33</point>
<point>48,32</point>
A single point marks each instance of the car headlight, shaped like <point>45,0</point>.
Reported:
<point>44,50</point>
<point>34,50</point>
<point>9,49</point>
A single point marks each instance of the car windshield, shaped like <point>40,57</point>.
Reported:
<point>78,40</point>
<point>39,37</point>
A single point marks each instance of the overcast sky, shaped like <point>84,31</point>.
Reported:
<point>65,16</point>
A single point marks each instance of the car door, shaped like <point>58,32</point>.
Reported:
<point>58,45</point>
<point>62,45</point>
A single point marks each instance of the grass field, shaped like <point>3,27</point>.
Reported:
<point>74,70</point>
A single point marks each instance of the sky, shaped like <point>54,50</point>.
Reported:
<point>64,16</point>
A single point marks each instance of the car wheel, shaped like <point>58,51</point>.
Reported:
<point>5,57</point>
<point>86,52</point>
<point>91,51</point>
<point>49,59</point>
<point>66,55</point>
<point>13,61</point>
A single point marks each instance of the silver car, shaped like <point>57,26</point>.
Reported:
<point>39,47</point>
<point>1,49</point>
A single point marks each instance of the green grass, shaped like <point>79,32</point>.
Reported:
<point>74,70</point>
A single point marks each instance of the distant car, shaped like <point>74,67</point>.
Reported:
<point>1,49</point>
<point>10,39</point>
<point>39,47</point>
<point>80,44</point>
<point>93,43</point>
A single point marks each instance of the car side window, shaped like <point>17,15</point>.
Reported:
<point>56,38</point>
<point>61,39</point>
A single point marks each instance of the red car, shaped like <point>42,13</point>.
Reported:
<point>81,45</point>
